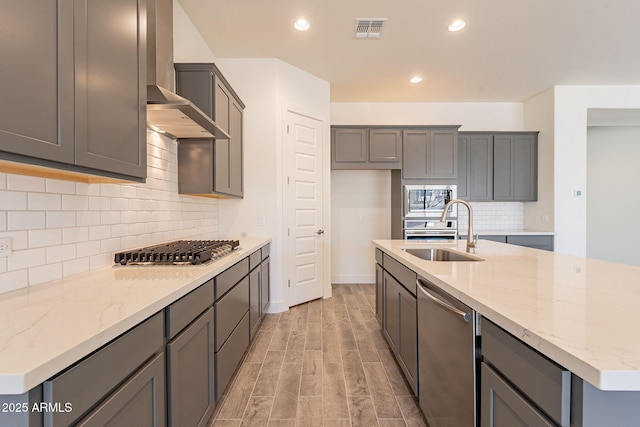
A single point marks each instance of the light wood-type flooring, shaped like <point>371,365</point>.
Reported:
<point>323,363</point>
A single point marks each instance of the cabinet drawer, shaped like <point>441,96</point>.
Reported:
<point>265,251</point>
<point>545,383</point>
<point>405,276</point>
<point>229,277</point>
<point>536,242</point>
<point>230,355</point>
<point>186,309</point>
<point>379,257</point>
<point>255,259</point>
<point>93,378</point>
<point>503,406</point>
<point>230,310</point>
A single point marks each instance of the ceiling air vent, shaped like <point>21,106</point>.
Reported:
<point>369,28</point>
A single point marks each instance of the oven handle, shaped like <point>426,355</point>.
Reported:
<point>465,316</point>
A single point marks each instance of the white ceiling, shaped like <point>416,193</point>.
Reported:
<point>510,50</point>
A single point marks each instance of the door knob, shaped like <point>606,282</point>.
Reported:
<point>321,231</point>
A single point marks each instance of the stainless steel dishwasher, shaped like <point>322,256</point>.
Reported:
<point>446,358</point>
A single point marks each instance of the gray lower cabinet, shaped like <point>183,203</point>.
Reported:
<point>96,381</point>
<point>519,385</point>
<point>430,153</point>
<point>535,241</point>
<point>366,148</point>
<point>85,108</point>
<point>379,298</point>
<point>515,167</point>
<point>399,322</point>
<point>190,358</point>
<point>209,167</point>
<point>265,282</point>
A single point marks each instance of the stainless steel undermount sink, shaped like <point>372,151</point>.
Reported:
<point>439,254</point>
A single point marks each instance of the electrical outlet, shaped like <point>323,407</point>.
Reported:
<point>5,247</point>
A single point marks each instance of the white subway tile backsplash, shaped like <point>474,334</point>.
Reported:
<point>13,201</point>
<point>60,219</point>
<point>45,273</point>
<point>57,186</point>
<point>45,237</point>
<point>21,220</point>
<point>26,259</point>
<point>59,228</point>
<point>13,280</point>
<point>75,203</point>
<point>25,183</point>
<point>489,216</point>
<point>44,202</point>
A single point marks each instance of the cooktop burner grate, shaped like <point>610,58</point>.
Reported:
<point>177,253</point>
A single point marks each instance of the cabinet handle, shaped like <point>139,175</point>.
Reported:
<point>321,231</point>
<point>465,316</point>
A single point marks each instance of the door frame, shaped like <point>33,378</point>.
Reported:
<point>287,203</point>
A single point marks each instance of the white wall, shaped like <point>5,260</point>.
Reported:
<point>352,251</point>
<point>188,44</point>
<point>539,115</point>
<point>268,87</point>
<point>612,182</point>
<point>570,156</point>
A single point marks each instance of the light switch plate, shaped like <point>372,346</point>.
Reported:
<point>5,247</point>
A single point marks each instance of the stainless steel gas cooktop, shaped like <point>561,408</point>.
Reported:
<point>179,252</point>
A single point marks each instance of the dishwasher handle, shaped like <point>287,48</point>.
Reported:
<point>467,317</point>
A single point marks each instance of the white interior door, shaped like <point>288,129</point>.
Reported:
<point>305,212</point>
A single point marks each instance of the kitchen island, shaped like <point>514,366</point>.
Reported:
<point>93,322</point>
<point>577,312</point>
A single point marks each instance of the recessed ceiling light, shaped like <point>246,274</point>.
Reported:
<point>301,24</point>
<point>416,79</point>
<point>457,25</point>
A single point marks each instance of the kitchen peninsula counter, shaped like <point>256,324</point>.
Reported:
<point>46,328</point>
<point>578,312</point>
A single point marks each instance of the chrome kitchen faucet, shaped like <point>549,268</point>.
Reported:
<point>471,241</point>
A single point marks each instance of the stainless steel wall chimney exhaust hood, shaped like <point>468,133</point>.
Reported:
<point>167,112</point>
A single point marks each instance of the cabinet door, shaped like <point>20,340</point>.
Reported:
<point>264,284</point>
<point>385,148</point>
<point>480,172</point>
<point>463,166</point>
<point>379,294</point>
<point>349,146</point>
<point>140,401</point>
<point>391,304</point>
<point>254,301</point>
<point>235,150</point>
<point>36,79</point>
<point>110,88</point>
<point>408,336</point>
<point>222,168</point>
<point>443,154</point>
<point>191,373</point>
<point>503,406</point>
<point>415,146</point>
<point>515,175</point>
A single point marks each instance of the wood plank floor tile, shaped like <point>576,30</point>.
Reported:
<point>240,391</point>
<point>311,382</point>
<point>269,374</point>
<point>257,413</point>
<point>362,412</point>
<point>354,377</point>
<point>287,392</point>
<point>381,392</point>
<point>334,395</point>
<point>323,363</point>
<point>309,411</point>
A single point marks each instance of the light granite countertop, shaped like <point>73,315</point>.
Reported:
<point>48,327</point>
<point>580,312</point>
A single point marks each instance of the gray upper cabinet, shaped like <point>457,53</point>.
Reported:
<point>215,168</point>
<point>475,167</point>
<point>515,163</point>
<point>429,154</point>
<point>73,86</point>
<point>366,148</point>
